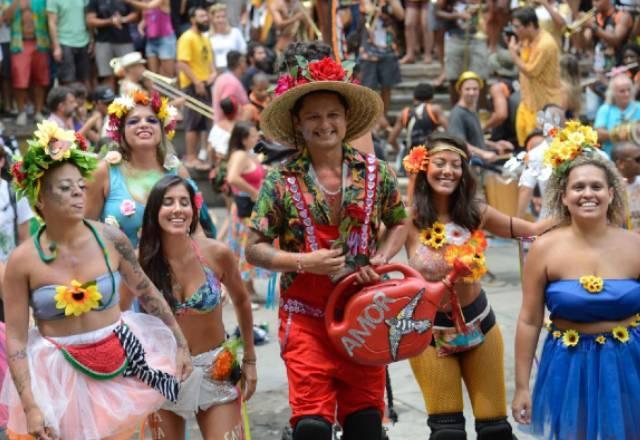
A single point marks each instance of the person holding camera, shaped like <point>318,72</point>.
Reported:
<point>535,53</point>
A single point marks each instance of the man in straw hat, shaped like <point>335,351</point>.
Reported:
<point>130,67</point>
<point>326,206</point>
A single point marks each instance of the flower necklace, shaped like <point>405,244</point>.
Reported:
<point>468,247</point>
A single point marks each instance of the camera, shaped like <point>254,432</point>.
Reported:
<point>508,33</point>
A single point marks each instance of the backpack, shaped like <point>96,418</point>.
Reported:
<point>420,125</point>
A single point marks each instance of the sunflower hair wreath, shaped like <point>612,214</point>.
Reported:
<point>123,104</point>
<point>49,146</point>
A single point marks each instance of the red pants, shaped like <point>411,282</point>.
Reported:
<point>320,378</point>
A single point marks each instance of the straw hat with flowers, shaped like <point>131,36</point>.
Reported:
<point>365,105</point>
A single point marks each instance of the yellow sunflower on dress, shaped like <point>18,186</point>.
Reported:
<point>77,299</point>
<point>592,283</point>
<point>621,334</point>
<point>601,339</point>
<point>570,338</point>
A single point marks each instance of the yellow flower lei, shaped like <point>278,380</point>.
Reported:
<point>77,299</point>
<point>470,253</point>
<point>591,283</point>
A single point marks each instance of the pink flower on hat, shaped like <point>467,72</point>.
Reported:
<point>128,208</point>
<point>285,82</point>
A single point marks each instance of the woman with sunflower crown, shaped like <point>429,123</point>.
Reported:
<point>586,273</point>
<point>143,125</point>
<point>86,370</point>
<point>446,224</point>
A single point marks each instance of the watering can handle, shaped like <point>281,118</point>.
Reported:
<point>407,271</point>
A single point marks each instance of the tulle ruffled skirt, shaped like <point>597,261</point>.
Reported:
<point>79,407</point>
<point>590,391</point>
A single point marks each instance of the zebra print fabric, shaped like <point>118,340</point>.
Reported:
<point>164,383</point>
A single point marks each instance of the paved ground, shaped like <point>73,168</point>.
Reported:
<point>268,408</point>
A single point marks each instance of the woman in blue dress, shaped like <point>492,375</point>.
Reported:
<point>586,274</point>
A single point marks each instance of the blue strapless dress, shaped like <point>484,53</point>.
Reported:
<point>590,391</point>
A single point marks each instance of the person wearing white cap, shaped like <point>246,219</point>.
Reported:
<point>130,66</point>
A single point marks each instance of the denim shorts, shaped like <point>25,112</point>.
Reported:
<point>162,47</point>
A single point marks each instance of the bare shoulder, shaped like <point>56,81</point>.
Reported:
<point>548,242</point>
<point>22,258</point>
<point>183,172</point>
<point>214,249</point>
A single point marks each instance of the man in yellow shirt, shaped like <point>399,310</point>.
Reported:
<point>535,53</point>
<point>197,72</point>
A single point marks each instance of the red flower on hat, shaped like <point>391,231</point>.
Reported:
<point>16,171</point>
<point>81,141</point>
<point>285,82</point>
<point>326,69</point>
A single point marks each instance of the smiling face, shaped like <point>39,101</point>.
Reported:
<point>322,121</point>
<point>469,92</point>
<point>142,128</point>
<point>176,213</point>
<point>444,172</point>
<point>62,194</point>
<point>587,195</point>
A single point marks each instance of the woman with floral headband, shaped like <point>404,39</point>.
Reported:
<point>325,205</point>
<point>86,371</point>
<point>143,126</point>
<point>446,224</point>
<point>586,272</point>
<point>189,271</point>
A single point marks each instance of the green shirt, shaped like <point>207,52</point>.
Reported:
<point>72,27</point>
<point>275,215</point>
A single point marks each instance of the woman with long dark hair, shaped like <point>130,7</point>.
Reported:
<point>189,270</point>
<point>245,173</point>
<point>446,224</point>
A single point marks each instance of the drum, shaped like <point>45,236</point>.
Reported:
<point>387,321</point>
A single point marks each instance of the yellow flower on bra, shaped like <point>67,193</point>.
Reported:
<point>570,338</point>
<point>620,333</point>
<point>601,339</point>
<point>591,283</point>
<point>438,229</point>
<point>556,334</point>
<point>77,299</point>
<point>437,241</point>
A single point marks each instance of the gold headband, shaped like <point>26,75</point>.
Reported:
<point>446,147</point>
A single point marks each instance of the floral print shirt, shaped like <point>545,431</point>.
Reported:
<point>275,215</point>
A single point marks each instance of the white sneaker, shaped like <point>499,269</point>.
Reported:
<point>39,117</point>
<point>21,119</point>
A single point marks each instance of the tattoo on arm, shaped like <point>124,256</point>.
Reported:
<point>18,355</point>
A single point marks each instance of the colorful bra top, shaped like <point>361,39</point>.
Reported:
<point>442,244</point>
<point>208,295</point>
<point>50,302</point>
<point>611,300</point>
<point>47,308</point>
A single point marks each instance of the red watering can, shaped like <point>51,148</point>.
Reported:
<point>388,321</point>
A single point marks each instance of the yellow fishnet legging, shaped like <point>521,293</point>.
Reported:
<point>482,368</point>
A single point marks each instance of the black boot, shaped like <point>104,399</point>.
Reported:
<point>312,428</point>
<point>494,429</point>
<point>363,424</point>
<point>448,426</point>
